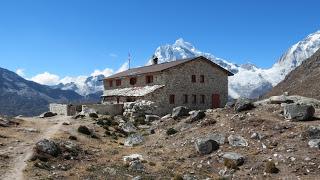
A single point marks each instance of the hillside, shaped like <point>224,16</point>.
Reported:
<point>19,96</point>
<point>303,81</point>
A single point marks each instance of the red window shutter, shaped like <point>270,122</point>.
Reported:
<point>118,82</point>
<point>193,78</point>
<point>133,81</point>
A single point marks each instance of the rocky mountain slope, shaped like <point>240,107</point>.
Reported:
<point>304,80</point>
<point>22,97</point>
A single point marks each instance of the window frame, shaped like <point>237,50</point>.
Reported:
<point>172,99</point>
<point>203,99</point>
<point>193,78</point>
<point>133,81</point>
<point>194,99</point>
<point>118,82</point>
<point>201,78</point>
<point>185,99</point>
<point>110,83</point>
<point>149,79</point>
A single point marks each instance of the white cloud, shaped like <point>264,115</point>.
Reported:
<point>124,67</point>
<point>77,80</point>
<point>106,72</point>
<point>113,55</point>
<point>20,72</point>
<point>46,78</point>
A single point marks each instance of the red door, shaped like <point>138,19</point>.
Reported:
<point>215,101</point>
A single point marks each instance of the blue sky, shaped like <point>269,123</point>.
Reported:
<point>76,37</point>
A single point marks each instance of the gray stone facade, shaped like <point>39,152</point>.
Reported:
<point>178,84</point>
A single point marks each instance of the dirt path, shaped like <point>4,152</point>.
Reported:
<point>23,151</point>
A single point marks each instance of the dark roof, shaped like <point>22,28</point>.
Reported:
<point>161,67</point>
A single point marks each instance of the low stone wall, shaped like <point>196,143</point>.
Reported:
<point>62,109</point>
<point>110,109</point>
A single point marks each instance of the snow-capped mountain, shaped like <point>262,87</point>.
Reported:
<point>84,86</point>
<point>249,80</point>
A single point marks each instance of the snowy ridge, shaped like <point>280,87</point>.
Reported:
<point>249,80</point>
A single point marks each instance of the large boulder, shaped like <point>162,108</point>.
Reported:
<point>235,158</point>
<point>47,114</point>
<point>180,111</point>
<point>298,112</point>
<point>134,140</point>
<point>197,115</point>
<point>84,130</point>
<point>243,104</point>
<point>280,100</point>
<point>236,140</point>
<point>93,115</point>
<point>151,118</point>
<point>48,147</point>
<point>206,146</point>
<point>219,138</point>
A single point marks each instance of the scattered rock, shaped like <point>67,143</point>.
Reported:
<point>298,112</point>
<point>166,116</point>
<point>206,146</point>
<point>132,157</point>
<point>66,123</point>
<point>257,136</point>
<point>74,138</point>
<point>219,138</point>
<point>180,112</point>
<point>197,115</point>
<point>171,131</point>
<point>232,159</point>
<point>236,140</point>
<point>84,130</point>
<point>280,100</point>
<point>128,127</point>
<point>136,165</point>
<point>29,130</point>
<point>49,147</point>
<point>314,143</point>
<point>313,132</point>
<point>243,104</point>
<point>134,140</point>
<point>151,118</point>
<point>271,168</point>
<point>77,116</point>
<point>47,114</point>
<point>93,115</point>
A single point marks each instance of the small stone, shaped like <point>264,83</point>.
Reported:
<point>271,168</point>
<point>236,140</point>
<point>206,146</point>
<point>314,143</point>
<point>84,130</point>
<point>171,131</point>
<point>235,158</point>
<point>134,140</point>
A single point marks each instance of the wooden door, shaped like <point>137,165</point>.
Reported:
<point>215,101</point>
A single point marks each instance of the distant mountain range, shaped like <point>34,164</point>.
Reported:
<point>22,97</point>
<point>249,80</point>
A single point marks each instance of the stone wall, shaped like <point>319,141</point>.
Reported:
<point>178,83</point>
<point>63,109</point>
<point>110,109</point>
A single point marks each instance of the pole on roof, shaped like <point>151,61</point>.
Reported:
<point>129,59</point>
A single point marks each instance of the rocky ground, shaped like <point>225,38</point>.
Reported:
<point>218,144</point>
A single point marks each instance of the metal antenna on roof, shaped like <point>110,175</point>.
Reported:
<point>129,59</point>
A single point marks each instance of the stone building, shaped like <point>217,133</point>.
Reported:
<point>197,83</point>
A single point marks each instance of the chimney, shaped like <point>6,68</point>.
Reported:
<point>154,60</point>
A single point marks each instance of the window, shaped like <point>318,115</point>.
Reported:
<point>118,82</point>
<point>133,81</point>
<point>110,83</point>
<point>149,79</point>
<point>193,78</point>
<point>194,99</point>
<point>203,98</point>
<point>171,99</point>
<point>185,99</point>
<point>202,78</point>
<point>118,100</point>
